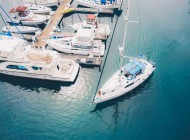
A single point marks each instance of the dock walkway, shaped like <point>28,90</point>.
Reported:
<point>56,18</point>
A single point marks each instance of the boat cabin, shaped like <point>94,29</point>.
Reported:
<point>133,69</point>
<point>21,11</point>
<point>91,19</point>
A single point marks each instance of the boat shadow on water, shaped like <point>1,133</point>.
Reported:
<point>35,84</point>
<point>113,102</point>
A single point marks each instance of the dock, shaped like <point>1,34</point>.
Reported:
<point>94,10</point>
<point>55,20</point>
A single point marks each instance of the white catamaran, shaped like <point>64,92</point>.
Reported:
<point>127,77</point>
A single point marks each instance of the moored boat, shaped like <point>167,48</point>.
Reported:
<point>102,31</point>
<point>45,65</point>
<point>21,29</point>
<point>38,9</point>
<point>48,3</point>
<point>128,77</point>
<point>90,61</point>
<point>22,15</point>
<point>100,4</point>
<point>82,43</point>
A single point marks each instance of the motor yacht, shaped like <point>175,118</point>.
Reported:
<point>102,31</point>
<point>41,64</point>
<point>82,43</point>
<point>21,15</point>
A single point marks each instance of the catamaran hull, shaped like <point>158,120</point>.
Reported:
<point>42,76</point>
<point>97,6</point>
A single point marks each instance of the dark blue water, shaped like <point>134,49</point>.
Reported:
<point>157,110</point>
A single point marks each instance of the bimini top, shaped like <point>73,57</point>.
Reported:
<point>18,9</point>
<point>91,17</point>
<point>134,67</point>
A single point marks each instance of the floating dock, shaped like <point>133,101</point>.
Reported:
<point>93,10</point>
<point>55,20</point>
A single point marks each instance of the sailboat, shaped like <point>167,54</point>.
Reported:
<point>127,78</point>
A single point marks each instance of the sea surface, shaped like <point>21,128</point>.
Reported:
<point>159,109</point>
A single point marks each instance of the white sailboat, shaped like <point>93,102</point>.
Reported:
<point>48,3</point>
<point>102,31</point>
<point>127,77</point>
<point>100,4</point>
<point>38,9</point>
<point>21,29</point>
<point>22,15</point>
<point>82,43</point>
<point>42,64</point>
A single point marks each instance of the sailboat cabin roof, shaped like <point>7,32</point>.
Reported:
<point>18,9</point>
<point>134,67</point>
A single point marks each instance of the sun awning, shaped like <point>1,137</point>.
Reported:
<point>18,9</point>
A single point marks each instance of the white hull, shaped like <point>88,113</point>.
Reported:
<point>37,9</point>
<point>102,32</point>
<point>43,76</point>
<point>91,4</point>
<point>73,50</point>
<point>116,87</point>
<point>22,29</point>
<point>48,3</point>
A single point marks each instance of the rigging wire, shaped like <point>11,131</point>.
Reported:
<point>5,22</point>
<point>106,56</point>
<point>11,21</point>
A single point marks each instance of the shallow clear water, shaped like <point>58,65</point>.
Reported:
<point>158,109</point>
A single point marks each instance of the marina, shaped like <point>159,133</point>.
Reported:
<point>94,71</point>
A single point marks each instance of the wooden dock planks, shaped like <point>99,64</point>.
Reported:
<point>54,22</point>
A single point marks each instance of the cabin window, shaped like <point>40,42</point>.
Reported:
<point>23,14</point>
<point>129,85</point>
<point>17,67</point>
<point>36,68</point>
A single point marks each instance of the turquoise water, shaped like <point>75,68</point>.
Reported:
<point>158,109</point>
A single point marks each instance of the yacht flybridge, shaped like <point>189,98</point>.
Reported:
<point>82,43</point>
<point>41,64</point>
<point>102,31</point>
<point>22,15</point>
<point>100,4</point>
<point>127,77</point>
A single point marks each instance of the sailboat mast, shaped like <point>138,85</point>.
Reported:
<point>125,34</point>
